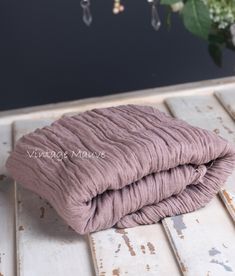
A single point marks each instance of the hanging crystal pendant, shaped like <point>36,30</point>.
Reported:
<point>87,17</point>
<point>155,19</point>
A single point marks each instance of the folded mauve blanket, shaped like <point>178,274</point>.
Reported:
<point>121,166</point>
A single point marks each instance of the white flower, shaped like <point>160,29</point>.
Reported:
<point>176,7</point>
<point>222,12</point>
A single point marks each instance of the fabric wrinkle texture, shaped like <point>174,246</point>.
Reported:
<point>153,166</point>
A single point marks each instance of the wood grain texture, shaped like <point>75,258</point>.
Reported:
<point>46,245</point>
<point>7,210</point>
<point>142,250</point>
<point>227,99</point>
<point>200,242</point>
<point>198,238</point>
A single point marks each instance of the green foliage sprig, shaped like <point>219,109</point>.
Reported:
<point>208,19</point>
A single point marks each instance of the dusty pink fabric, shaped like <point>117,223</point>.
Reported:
<point>147,166</point>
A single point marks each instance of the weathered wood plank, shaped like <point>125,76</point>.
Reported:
<point>46,245</point>
<point>203,241</point>
<point>160,106</point>
<point>5,146</point>
<point>141,250</point>
<point>7,210</point>
<point>227,99</point>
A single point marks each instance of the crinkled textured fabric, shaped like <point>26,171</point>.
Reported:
<point>121,166</point>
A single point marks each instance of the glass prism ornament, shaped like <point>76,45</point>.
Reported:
<point>87,17</point>
<point>155,20</point>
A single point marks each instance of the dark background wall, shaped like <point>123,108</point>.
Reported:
<point>49,55</point>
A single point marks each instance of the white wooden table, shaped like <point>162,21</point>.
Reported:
<point>34,241</point>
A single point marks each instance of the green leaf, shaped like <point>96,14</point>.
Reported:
<point>216,38</point>
<point>169,2</point>
<point>215,53</point>
<point>196,18</point>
